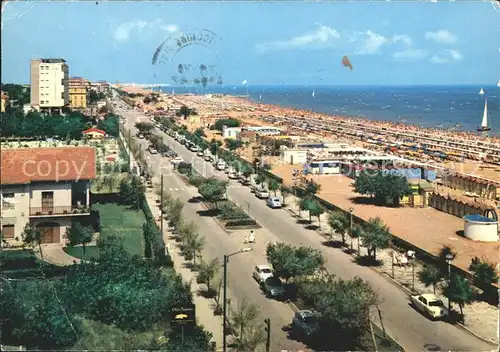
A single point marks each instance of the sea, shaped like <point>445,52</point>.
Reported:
<point>448,107</point>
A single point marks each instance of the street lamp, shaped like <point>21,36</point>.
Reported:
<point>449,257</point>
<point>224,294</point>
<point>350,227</point>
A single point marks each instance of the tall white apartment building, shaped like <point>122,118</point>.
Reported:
<point>49,84</point>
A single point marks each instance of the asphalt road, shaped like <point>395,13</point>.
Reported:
<point>410,328</point>
<point>241,285</point>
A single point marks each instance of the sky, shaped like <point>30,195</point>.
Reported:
<point>259,43</point>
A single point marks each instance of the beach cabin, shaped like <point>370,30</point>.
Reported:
<point>324,167</point>
<point>293,156</point>
<point>94,133</point>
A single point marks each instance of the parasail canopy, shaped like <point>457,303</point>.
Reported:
<point>346,62</point>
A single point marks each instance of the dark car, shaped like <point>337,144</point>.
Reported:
<point>273,287</point>
<point>305,323</point>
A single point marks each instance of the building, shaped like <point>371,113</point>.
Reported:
<point>94,133</point>
<point>5,101</point>
<point>100,87</point>
<point>49,84</point>
<point>46,187</point>
<point>293,156</point>
<point>78,92</point>
<point>230,132</point>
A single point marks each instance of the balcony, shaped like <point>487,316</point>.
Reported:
<point>58,211</point>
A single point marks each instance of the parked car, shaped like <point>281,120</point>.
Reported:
<point>274,202</point>
<point>140,136</point>
<point>233,175</point>
<point>261,193</point>
<point>429,304</point>
<point>305,322</point>
<point>176,160</point>
<point>207,158</point>
<point>152,150</point>
<point>262,272</point>
<point>221,165</point>
<point>200,153</point>
<point>273,287</point>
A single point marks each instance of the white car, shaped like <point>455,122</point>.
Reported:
<point>221,165</point>
<point>274,202</point>
<point>233,175</point>
<point>262,273</point>
<point>261,193</point>
<point>176,160</point>
<point>200,153</point>
<point>430,305</point>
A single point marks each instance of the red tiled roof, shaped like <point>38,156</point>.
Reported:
<point>93,129</point>
<point>25,165</point>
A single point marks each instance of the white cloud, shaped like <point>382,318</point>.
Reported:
<point>447,55</point>
<point>442,36</point>
<point>124,31</point>
<point>403,38</point>
<point>409,54</point>
<point>371,42</point>
<point>172,28</point>
<point>322,35</point>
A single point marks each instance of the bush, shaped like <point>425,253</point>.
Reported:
<point>230,211</point>
<point>184,168</point>
<point>241,222</point>
<point>195,180</point>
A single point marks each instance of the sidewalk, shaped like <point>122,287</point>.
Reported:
<point>204,307</point>
<point>480,317</point>
<point>54,254</point>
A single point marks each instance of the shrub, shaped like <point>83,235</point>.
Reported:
<point>230,211</point>
<point>184,168</point>
<point>241,222</point>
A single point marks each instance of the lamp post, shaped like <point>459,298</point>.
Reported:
<point>224,295</point>
<point>350,227</point>
<point>449,257</point>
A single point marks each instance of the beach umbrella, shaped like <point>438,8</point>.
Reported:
<point>346,62</point>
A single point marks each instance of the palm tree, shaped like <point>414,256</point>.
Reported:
<point>339,222</point>
<point>207,272</point>
<point>430,276</point>
<point>273,185</point>
<point>242,320</point>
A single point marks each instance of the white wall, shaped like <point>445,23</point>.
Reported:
<point>53,83</point>
<point>294,157</point>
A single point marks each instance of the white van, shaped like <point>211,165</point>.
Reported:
<point>221,165</point>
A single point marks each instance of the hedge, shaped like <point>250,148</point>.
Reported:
<point>158,244</point>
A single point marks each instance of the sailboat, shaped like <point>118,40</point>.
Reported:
<point>260,97</point>
<point>484,124</point>
<point>313,94</point>
<point>498,84</point>
<point>481,92</point>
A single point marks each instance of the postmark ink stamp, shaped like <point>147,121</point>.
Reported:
<point>188,58</point>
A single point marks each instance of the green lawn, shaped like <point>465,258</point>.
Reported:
<point>118,219</point>
<point>77,252</point>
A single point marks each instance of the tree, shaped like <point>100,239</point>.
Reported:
<point>193,243</point>
<point>147,99</point>
<point>273,185</point>
<point>213,190</point>
<point>376,235</point>
<point>315,209</point>
<point>233,144</point>
<point>149,231</point>
<point>193,338</point>
<point>214,146</point>
<point>79,234</point>
<point>184,111</point>
<point>344,306</point>
<point>243,321</point>
<point>32,236</point>
<point>174,213</point>
<point>132,191</point>
<point>145,127</point>
<point>430,276</point>
<point>289,261</point>
<point>199,133</point>
<point>312,187</point>
<point>446,251</point>
<point>225,122</point>
<point>93,97</point>
<point>484,274</point>
<point>207,272</point>
<point>459,291</point>
<point>109,180</point>
<point>110,125</point>
<point>285,191</point>
<point>386,188</point>
<point>340,223</point>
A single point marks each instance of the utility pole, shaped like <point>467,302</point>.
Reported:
<point>268,330</point>
<point>161,206</point>
<point>224,305</point>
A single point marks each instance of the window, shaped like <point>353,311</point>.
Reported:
<point>8,200</point>
<point>47,200</point>
<point>8,231</point>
